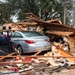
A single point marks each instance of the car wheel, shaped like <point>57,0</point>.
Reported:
<point>19,48</point>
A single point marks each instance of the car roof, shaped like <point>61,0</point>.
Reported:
<point>26,31</point>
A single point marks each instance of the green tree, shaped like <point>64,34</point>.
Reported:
<point>69,11</point>
<point>28,6</point>
<point>45,9</point>
<point>50,9</point>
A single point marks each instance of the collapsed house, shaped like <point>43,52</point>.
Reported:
<point>55,29</point>
<point>55,60</point>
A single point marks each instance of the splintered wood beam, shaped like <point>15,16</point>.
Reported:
<point>60,33</point>
<point>39,56</point>
<point>7,55</point>
<point>27,23</point>
<point>18,26</point>
<point>35,17</point>
<point>64,53</point>
<point>14,62</point>
<point>38,53</point>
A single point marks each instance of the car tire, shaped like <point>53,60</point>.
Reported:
<point>19,48</point>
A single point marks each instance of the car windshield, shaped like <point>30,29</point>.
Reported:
<point>32,34</point>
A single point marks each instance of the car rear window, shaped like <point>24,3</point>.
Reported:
<point>32,34</point>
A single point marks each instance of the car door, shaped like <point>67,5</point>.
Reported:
<point>17,38</point>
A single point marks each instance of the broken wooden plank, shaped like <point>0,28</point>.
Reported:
<point>64,53</point>
<point>7,55</point>
<point>39,56</point>
<point>14,62</point>
<point>38,53</point>
<point>60,33</point>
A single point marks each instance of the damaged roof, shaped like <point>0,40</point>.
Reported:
<point>55,26</point>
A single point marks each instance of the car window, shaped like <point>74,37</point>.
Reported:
<point>32,34</point>
<point>18,35</point>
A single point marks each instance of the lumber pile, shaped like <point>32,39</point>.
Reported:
<point>55,60</point>
<point>58,58</point>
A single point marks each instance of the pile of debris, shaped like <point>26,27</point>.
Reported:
<point>51,63</point>
<point>59,60</point>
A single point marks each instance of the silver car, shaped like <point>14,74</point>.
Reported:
<point>30,41</point>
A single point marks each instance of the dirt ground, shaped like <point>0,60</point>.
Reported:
<point>62,72</point>
<point>43,69</point>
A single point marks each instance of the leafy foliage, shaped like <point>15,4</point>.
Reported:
<point>45,9</point>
